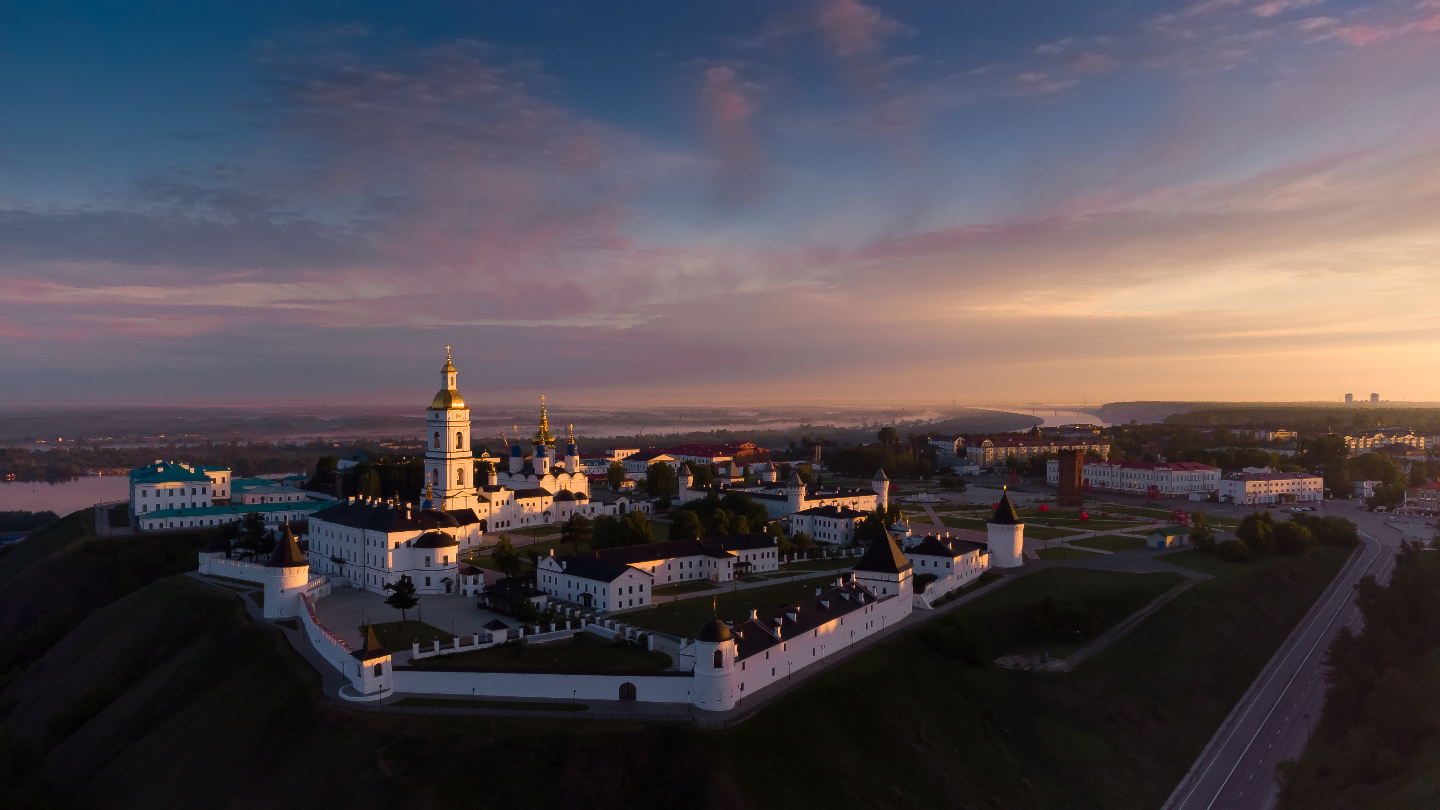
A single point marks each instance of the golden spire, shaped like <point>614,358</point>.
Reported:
<point>429,493</point>
<point>570,434</point>
<point>449,366</point>
<point>542,436</point>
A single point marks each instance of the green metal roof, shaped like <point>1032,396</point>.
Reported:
<point>236,509</point>
<point>166,472</point>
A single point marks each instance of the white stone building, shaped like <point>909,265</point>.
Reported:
<point>783,500</point>
<point>1169,478</point>
<point>372,543</point>
<point>593,582</point>
<point>168,485</point>
<point>954,560</point>
<point>1271,487</point>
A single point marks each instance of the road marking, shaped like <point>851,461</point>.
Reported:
<point>1375,550</point>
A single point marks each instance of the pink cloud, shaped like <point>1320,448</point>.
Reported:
<point>728,108</point>
<point>855,29</point>
<point>1273,7</point>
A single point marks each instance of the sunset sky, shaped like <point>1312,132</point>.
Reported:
<point>677,202</point>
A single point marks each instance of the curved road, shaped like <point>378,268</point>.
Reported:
<point>1272,722</point>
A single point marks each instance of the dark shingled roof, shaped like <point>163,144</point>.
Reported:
<point>714,631</point>
<point>435,540</point>
<point>705,546</point>
<point>533,492</point>
<point>372,648</point>
<point>1005,511</point>
<point>382,517</point>
<point>757,635</point>
<point>839,512</point>
<point>495,624</point>
<point>588,566</point>
<point>883,558</point>
<point>948,547</point>
<point>287,552</point>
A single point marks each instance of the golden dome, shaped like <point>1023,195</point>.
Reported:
<point>447,400</point>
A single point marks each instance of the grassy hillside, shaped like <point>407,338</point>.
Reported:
<point>51,582</point>
<point>171,697</point>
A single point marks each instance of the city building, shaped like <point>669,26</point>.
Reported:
<point>1270,487</point>
<point>954,561</point>
<point>593,582</point>
<point>168,485</point>
<point>713,559</point>
<point>783,500</point>
<point>1423,500</point>
<point>1070,478</point>
<point>992,451</point>
<point>1383,437</point>
<point>827,524</point>
<point>1168,479</point>
<point>1168,537</point>
<point>371,543</point>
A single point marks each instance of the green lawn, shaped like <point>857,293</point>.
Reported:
<point>585,652</point>
<point>684,617</point>
<point>1110,542</point>
<point>1063,553</point>
<point>685,587</point>
<point>1106,597</point>
<point>505,705</point>
<point>830,564</point>
<point>533,531</point>
<point>395,636</point>
<point>1118,733</point>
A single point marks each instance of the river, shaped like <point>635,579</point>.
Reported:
<point>65,497</point>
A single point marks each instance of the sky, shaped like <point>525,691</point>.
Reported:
<point>260,203</point>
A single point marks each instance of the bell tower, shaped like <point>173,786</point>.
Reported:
<point>449,466</point>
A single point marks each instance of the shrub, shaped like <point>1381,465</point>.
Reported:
<point>960,638</point>
<point>1257,531</point>
<point>1234,551</point>
<point>1292,538</point>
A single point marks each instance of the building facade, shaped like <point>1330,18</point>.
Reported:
<point>992,451</point>
<point>1271,487</point>
<point>1169,479</point>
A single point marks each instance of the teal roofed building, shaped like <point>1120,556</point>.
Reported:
<point>167,485</point>
<point>209,516</point>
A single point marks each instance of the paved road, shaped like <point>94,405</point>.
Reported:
<point>1274,719</point>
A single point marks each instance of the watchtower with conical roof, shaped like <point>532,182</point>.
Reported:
<point>881,484</point>
<point>372,677</point>
<point>286,575</point>
<point>1006,535</point>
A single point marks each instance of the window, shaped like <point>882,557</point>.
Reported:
<point>437,440</point>
<point>427,565</point>
<point>719,659</point>
<point>427,581</point>
<point>459,440</point>
<point>460,476</point>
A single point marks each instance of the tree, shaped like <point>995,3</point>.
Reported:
<point>324,478</point>
<point>368,484</point>
<point>483,471</point>
<point>615,475</point>
<point>635,529</point>
<point>719,525</point>
<point>1292,538</point>
<point>1417,475</point>
<point>686,526</point>
<point>402,595</point>
<point>255,539</point>
<point>606,532</point>
<point>505,557</point>
<point>1257,531</point>
<point>872,527</point>
<point>1201,535</point>
<point>887,436</point>
<point>802,542</point>
<point>661,481</point>
<point>525,611</point>
<point>1386,495</point>
<point>806,473</point>
<point>576,531</point>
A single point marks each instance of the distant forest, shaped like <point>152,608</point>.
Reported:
<point>1313,421</point>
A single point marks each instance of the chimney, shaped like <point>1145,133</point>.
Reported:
<point>825,603</point>
<point>791,615</point>
<point>552,552</point>
<point>351,499</point>
<point>752,614</point>
<point>817,591</point>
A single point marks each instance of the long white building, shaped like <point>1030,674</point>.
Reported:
<point>1275,487</point>
<point>1169,478</point>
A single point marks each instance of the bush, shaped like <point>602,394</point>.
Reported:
<point>1292,538</point>
<point>960,638</point>
<point>1234,551</point>
<point>1330,530</point>
<point>1257,531</point>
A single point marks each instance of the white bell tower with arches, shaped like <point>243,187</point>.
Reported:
<point>449,466</point>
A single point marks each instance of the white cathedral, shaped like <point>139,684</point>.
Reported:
<point>371,542</point>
